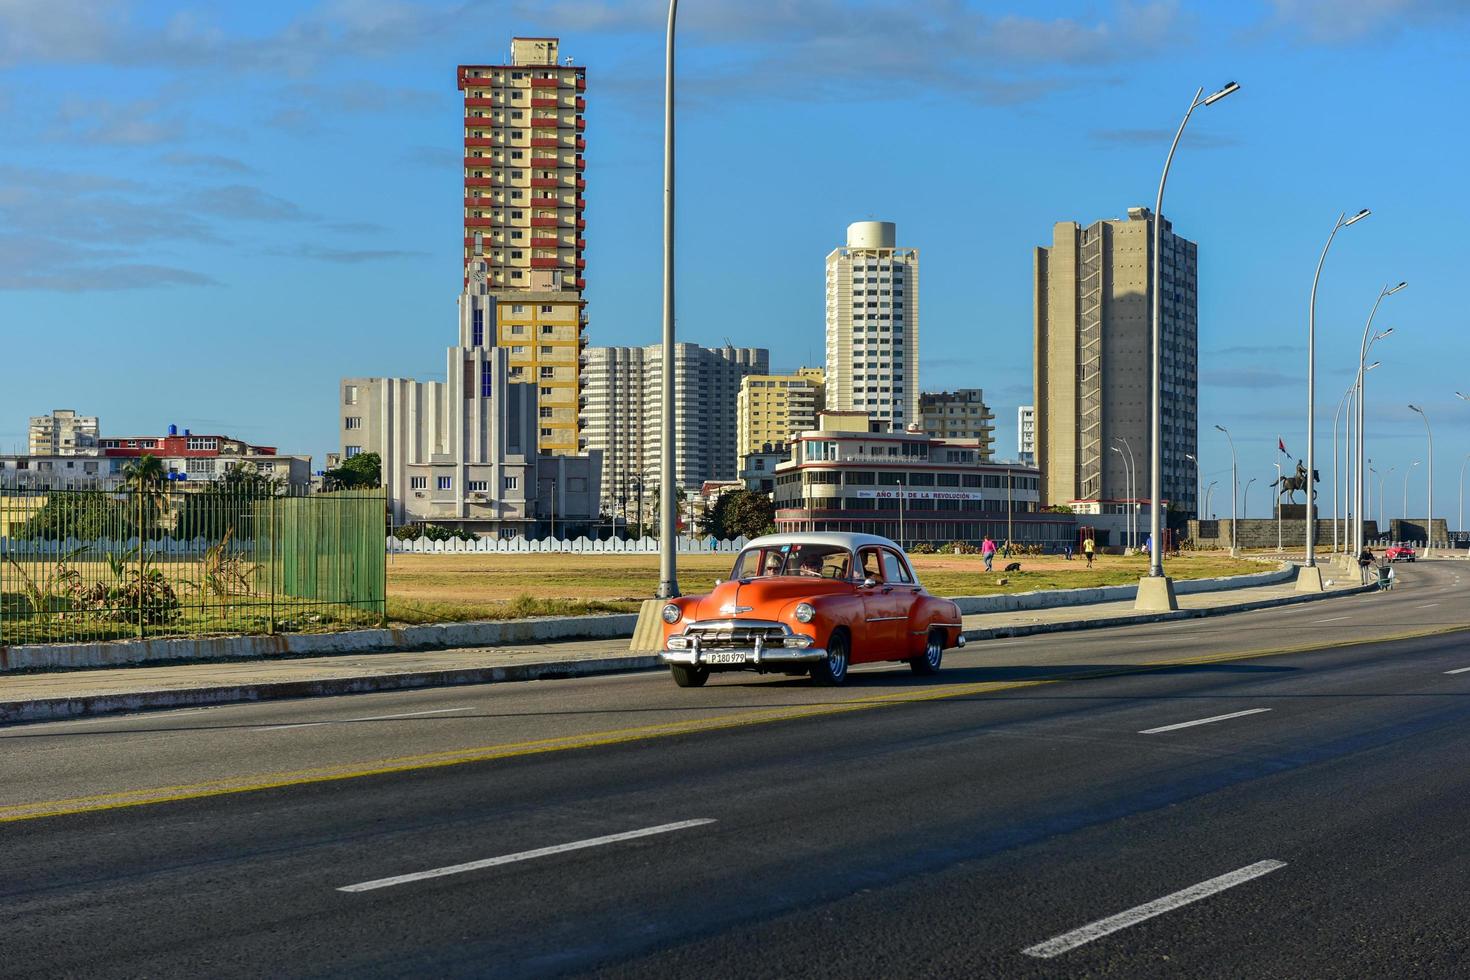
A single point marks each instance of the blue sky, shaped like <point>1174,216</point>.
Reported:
<point>211,213</point>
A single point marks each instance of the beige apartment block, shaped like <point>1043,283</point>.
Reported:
<point>771,408</point>
<point>1092,357</point>
<point>960,414</point>
<point>63,433</point>
<point>622,420</point>
<point>873,325</point>
<point>524,170</point>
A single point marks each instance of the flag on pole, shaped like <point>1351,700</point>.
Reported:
<point>1281,446</point>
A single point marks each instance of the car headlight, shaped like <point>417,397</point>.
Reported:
<point>671,613</point>
<point>804,612</point>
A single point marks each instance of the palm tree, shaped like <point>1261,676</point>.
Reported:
<point>144,473</point>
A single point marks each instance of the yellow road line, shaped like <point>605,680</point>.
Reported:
<point>738,719</point>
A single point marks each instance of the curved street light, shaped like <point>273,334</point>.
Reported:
<point>1362,357</point>
<point>1234,495</point>
<point>1245,498</point>
<point>1314,582</point>
<point>1429,518</point>
<point>1408,471</point>
<point>1209,495</point>
<point>1128,473</point>
<point>1156,373</point>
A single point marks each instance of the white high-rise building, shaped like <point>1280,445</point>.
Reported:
<point>873,326</point>
<point>63,433</point>
<point>1026,433</point>
<point>621,418</point>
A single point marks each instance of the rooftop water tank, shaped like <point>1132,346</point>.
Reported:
<point>173,430</point>
<point>871,234</point>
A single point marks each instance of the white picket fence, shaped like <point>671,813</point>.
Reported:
<point>595,546</point>
<point>91,547</point>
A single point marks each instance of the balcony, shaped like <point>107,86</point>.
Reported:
<point>479,141</point>
<point>551,162</point>
<point>545,82</point>
<point>581,104</point>
<point>545,141</point>
<point>544,222</point>
<point>581,164</point>
<point>581,184</point>
<point>481,202</point>
<point>479,103</point>
<point>472,162</point>
<point>581,143</point>
<point>478,181</point>
<point>581,283</point>
<point>545,103</point>
<point>479,222</point>
<point>581,123</point>
<point>581,243</point>
<point>581,223</point>
<point>581,203</point>
<point>543,262</point>
<point>581,85</point>
<point>545,122</point>
<point>545,242</point>
<point>546,202</point>
<point>581,264</point>
<point>549,182</point>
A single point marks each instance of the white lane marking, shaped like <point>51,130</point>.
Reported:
<point>1459,670</point>
<point>1203,721</point>
<point>454,869</point>
<point>344,721</point>
<point>1332,619</point>
<point>1139,913</point>
<point>1426,605</point>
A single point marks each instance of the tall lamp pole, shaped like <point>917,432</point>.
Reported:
<point>1313,581</point>
<point>1209,495</point>
<point>1461,521</point>
<point>1407,472</point>
<point>1163,597</point>
<point>1383,500</point>
<point>1245,498</point>
<point>1128,472</point>
<point>1234,494</point>
<point>1363,357</point>
<point>1429,518</point>
<point>668,575</point>
<point>1336,513</point>
<point>1277,464</point>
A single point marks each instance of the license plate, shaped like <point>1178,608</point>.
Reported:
<point>724,658</point>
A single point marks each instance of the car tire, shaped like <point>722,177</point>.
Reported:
<point>689,676</point>
<point>928,662</point>
<point>832,672</point>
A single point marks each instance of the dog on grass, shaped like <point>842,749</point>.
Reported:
<point>1014,566</point>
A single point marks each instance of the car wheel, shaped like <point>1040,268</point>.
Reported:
<point>928,662</point>
<point>689,676</point>
<point>832,671</point>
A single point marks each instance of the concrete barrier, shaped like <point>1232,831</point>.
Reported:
<point>547,629</point>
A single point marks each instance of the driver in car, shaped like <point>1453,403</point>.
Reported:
<point>810,565</point>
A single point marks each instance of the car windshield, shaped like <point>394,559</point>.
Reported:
<point>808,560</point>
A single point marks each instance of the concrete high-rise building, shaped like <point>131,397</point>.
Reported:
<point>960,414</point>
<point>873,326</point>
<point>621,418</point>
<point>1092,360</point>
<point>524,229</point>
<point>523,166</point>
<point>1026,433</point>
<point>63,433</point>
<point>772,408</point>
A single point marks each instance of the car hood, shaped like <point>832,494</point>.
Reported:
<point>763,598</point>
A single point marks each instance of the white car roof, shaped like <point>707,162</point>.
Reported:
<point>851,542</point>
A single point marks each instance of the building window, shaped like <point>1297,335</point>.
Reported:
<point>352,422</point>
<point>546,308</point>
<point>202,443</point>
<point>545,431</point>
<point>486,380</point>
<point>479,486</point>
<point>351,451</point>
<point>477,327</point>
<point>200,467</point>
<point>418,483</point>
<point>548,373</point>
<point>512,483</point>
<point>545,412</point>
<point>446,483</point>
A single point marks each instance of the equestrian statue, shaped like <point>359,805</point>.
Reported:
<point>1298,482</point>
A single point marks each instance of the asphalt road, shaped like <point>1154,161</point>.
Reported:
<point>1045,807</point>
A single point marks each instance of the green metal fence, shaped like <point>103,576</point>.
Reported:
<point>92,564</point>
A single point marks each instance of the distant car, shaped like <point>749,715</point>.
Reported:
<point>1399,552</point>
<point>813,604</point>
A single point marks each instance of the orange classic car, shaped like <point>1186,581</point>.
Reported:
<point>810,604</point>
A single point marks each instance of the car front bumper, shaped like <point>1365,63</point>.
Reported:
<point>692,650</point>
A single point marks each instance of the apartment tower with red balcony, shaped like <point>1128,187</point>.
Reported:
<point>524,230</point>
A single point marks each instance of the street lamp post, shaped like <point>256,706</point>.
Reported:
<point>1157,591</point>
<point>1128,475</point>
<point>1312,581</point>
<point>1336,544</point>
<point>1362,359</point>
<point>1279,545</point>
<point>1461,522</point>
<point>668,575</point>
<point>1383,500</point>
<point>1234,494</point>
<point>1429,517</point>
<point>1245,498</point>
<point>1407,472</point>
<point>1209,496</point>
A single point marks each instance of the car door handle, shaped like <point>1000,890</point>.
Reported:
<point>888,590</point>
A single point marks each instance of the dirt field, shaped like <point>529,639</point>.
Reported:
<point>439,588</point>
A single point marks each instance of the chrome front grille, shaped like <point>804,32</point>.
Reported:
<point>737,634</point>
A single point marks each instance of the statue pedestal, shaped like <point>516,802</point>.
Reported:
<point>1294,512</point>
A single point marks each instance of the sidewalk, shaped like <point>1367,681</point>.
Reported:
<point>71,694</point>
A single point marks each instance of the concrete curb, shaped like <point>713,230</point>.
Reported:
<point>61,709</point>
<point>1057,598</point>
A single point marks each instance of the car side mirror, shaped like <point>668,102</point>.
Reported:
<point>869,583</point>
<point>719,581</point>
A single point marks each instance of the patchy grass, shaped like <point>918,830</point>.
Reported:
<point>457,588</point>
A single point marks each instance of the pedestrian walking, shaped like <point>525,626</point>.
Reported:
<point>1088,547</point>
<point>1365,558</point>
<point>987,551</point>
